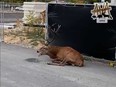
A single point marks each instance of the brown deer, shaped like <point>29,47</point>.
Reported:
<point>62,55</point>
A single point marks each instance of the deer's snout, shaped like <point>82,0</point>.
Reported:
<point>39,53</point>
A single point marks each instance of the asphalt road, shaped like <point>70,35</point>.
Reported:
<point>9,16</point>
<point>21,67</point>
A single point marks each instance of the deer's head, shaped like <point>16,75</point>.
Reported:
<point>43,50</point>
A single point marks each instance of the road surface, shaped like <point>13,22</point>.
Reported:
<point>21,67</point>
<point>9,16</point>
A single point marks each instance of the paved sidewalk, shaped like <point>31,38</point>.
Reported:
<point>21,67</point>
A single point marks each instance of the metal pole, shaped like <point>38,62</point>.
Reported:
<point>2,21</point>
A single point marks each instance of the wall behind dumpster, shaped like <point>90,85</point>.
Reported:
<point>80,31</point>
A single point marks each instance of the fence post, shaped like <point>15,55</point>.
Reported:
<point>2,21</point>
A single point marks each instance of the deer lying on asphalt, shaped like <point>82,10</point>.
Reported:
<point>62,55</point>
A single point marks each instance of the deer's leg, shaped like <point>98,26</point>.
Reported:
<point>56,61</point>
<point>63,62</point>
<point>57,64</point>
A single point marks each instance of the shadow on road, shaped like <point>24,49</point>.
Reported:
<point>35,60</point>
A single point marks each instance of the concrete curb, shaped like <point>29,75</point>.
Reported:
<point>93,59</point>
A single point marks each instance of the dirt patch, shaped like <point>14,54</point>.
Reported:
<point>29,37</point>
